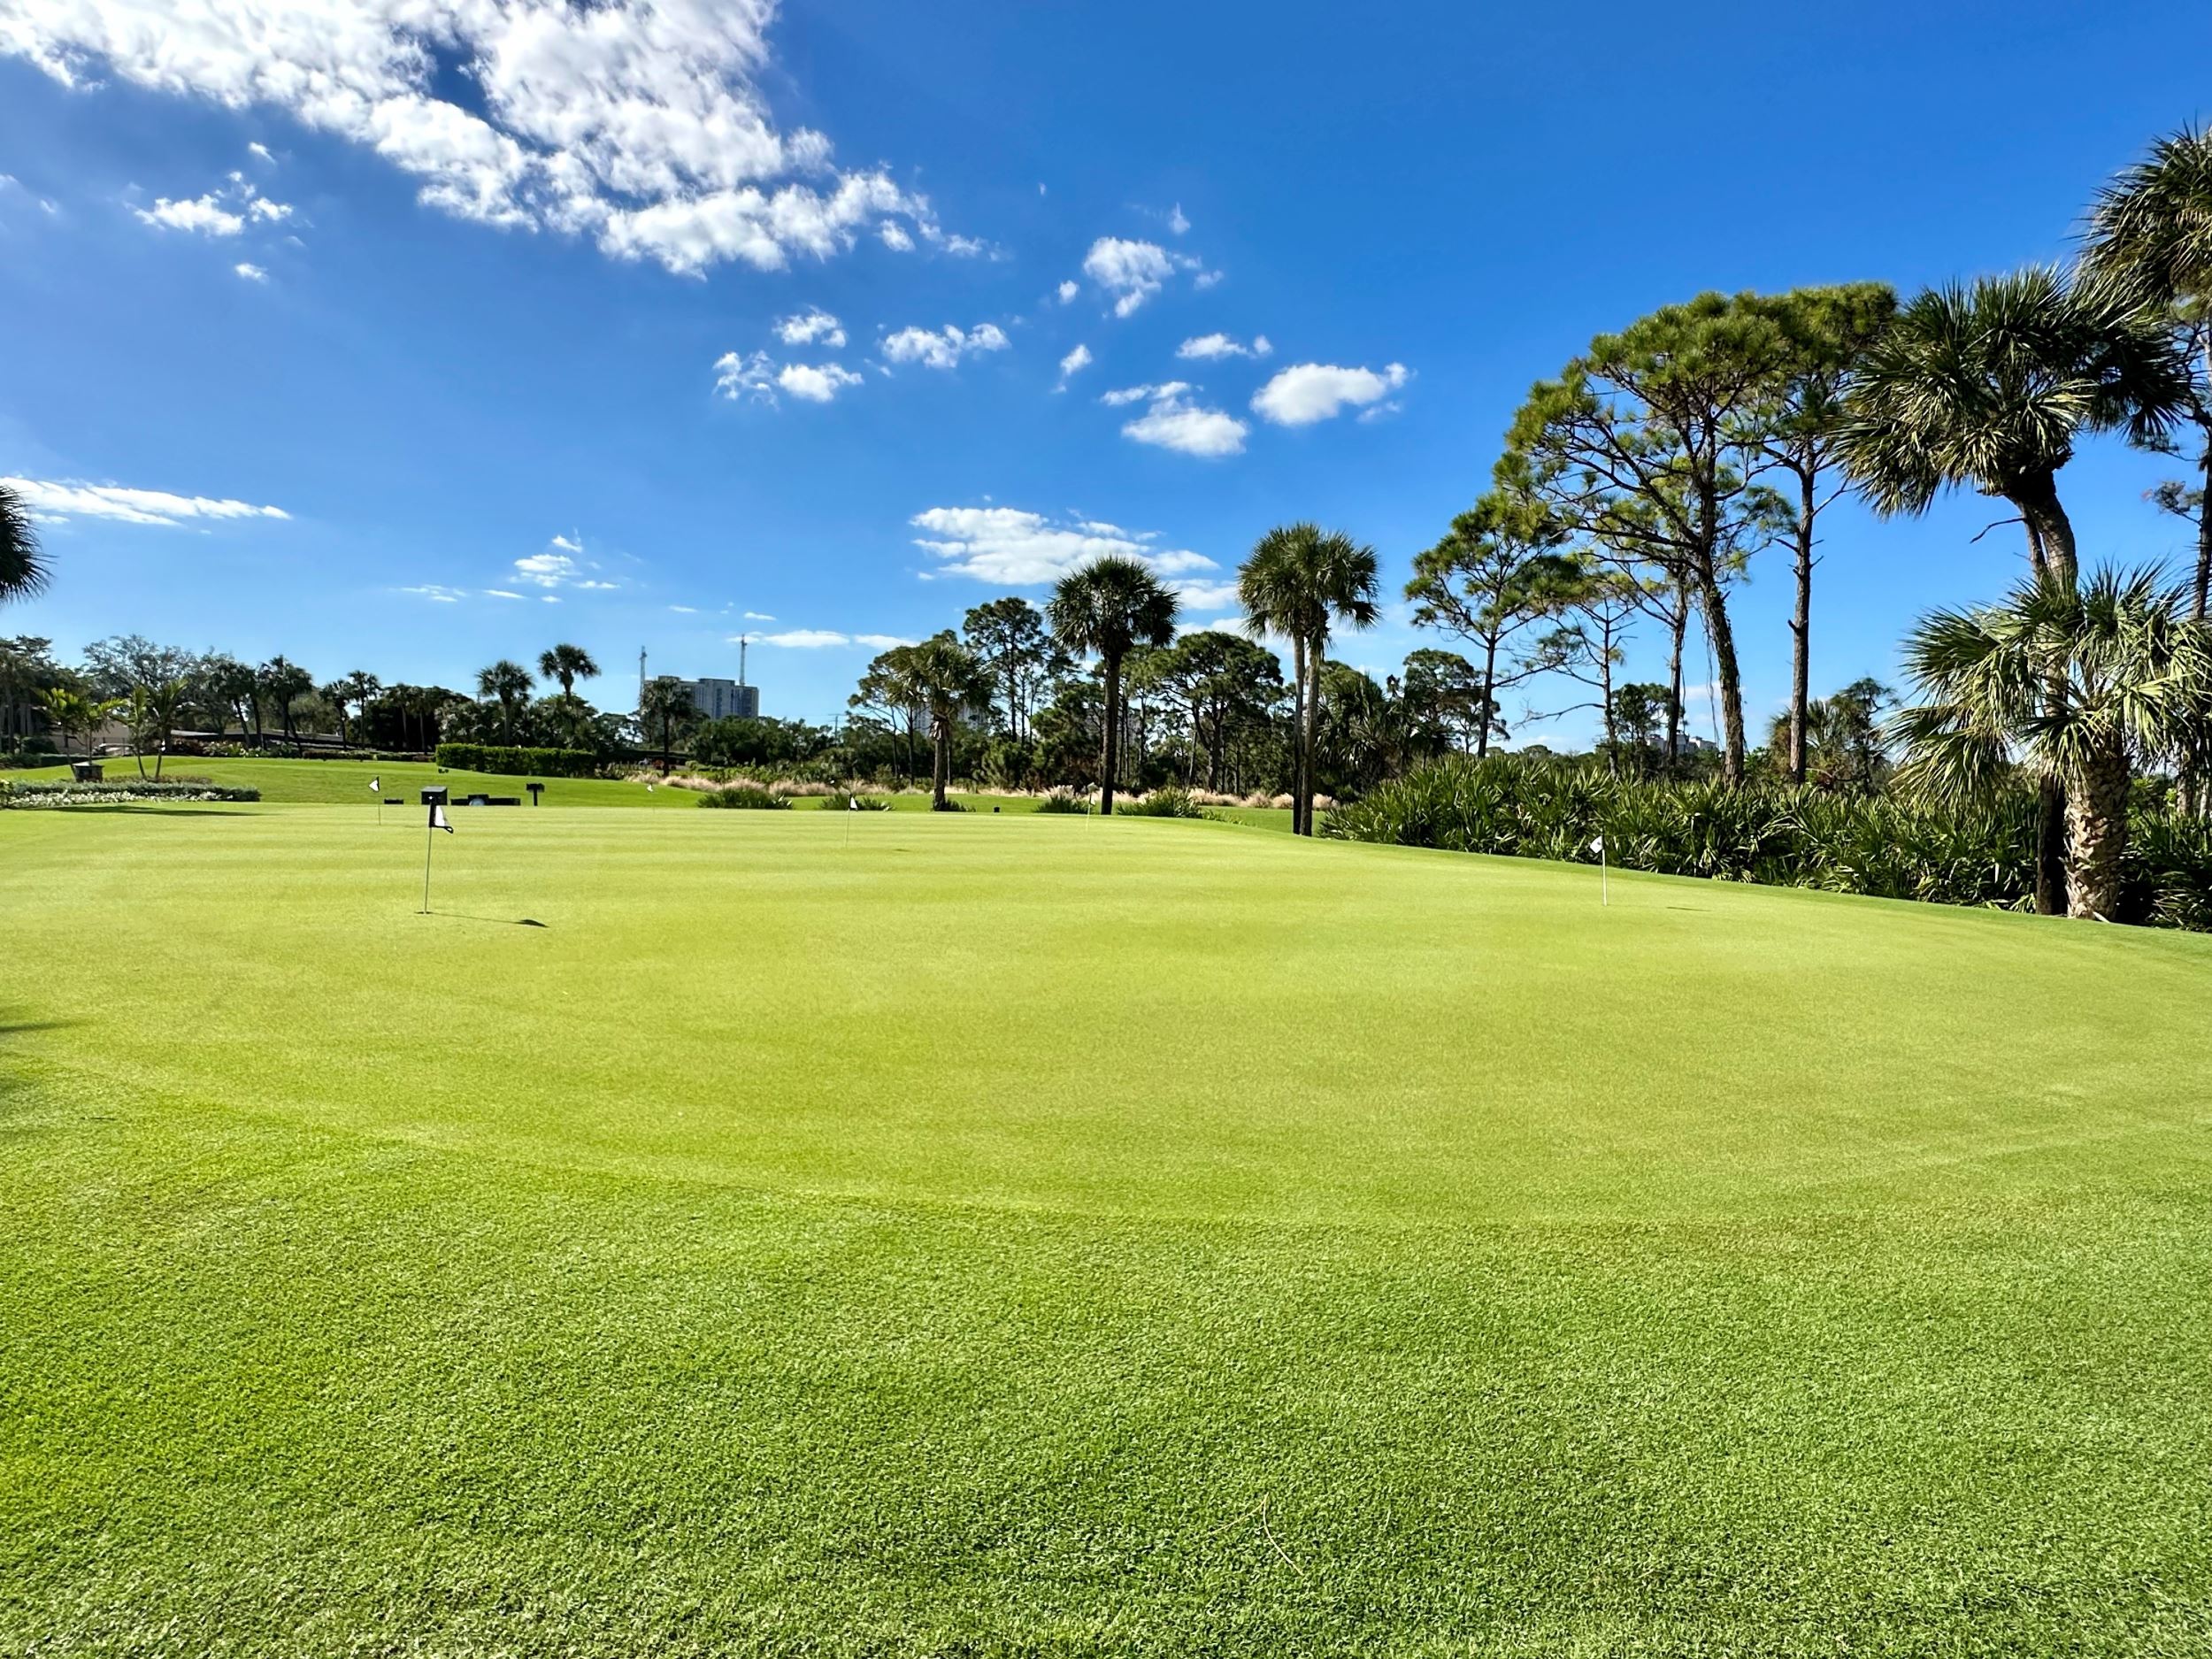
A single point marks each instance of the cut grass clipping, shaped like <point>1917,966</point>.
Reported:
<point>998,1235</point>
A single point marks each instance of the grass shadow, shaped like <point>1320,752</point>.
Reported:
<point>495,921</point>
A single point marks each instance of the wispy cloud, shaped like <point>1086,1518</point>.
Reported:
<point>69,498</point>
<point>824,639</point>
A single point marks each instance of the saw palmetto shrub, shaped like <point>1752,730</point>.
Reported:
<point>1773,835</point>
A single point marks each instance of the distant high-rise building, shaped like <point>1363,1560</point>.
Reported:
<point>724,699</point>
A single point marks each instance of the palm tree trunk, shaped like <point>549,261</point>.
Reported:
<point>1298,734</point>
<point>1312,731</point>
<point>2096,834</point>
<point>2048,528</point>
<point>1802,630</point>
<point>1110,756</point>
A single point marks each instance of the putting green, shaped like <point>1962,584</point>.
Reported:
<point>1015,1234</point>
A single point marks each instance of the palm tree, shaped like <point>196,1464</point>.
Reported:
<point>1105,609</point>
<point>2079,685</point>
<point>507,683</point>
<point>665,702</point>
<point>74,712</point>
<point>945,678</point>
<point>1299,580</point>
<point>23,570</point>
<point>2151,228</point>
<point>282,683</point>
<point>567,664</point>
<point>1989,386</point>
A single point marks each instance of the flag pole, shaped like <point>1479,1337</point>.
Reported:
<point>1605,893</point>
<point>429,839</point>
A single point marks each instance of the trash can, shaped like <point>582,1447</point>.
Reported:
<point>87,771</point>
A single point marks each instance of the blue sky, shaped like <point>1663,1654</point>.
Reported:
<point>503,311</point>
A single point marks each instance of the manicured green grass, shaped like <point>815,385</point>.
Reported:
<point>346,782</point>
<point>997,1234</point>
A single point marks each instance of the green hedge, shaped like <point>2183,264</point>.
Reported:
<point>542,763</point>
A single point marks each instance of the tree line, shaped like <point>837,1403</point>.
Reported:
<point>1635,490</point>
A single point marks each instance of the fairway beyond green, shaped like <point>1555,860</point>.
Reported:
<point>1016,1234</point>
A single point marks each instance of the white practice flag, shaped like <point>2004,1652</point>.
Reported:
<point>437,818</point>
<point>1598,846</point>
<point>376,786</point>
<point>852,803</point>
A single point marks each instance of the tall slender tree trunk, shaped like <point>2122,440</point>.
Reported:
<point>1298,735</point>
<point>2051,548</point>
<point>1110,759</point>
<point>1489,697</point>
<point>2193,781</point>
<point>1723,635</point>
<point>1801,628</point>
<point>1312,731</point>
<point>941,765</point>
<point>1605,695</point>
<point>1681,625</point>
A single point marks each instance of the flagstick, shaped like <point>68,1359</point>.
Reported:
<point>1605,896</point>
<point>429,840</point>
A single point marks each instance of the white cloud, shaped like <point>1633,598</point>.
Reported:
<point>754,376</point>
<point>803,638</point>
<point>562,565</point>
<point>204,214</point>
<point>224,212</point>
<point>638,123</point>
<point>1205,279</point>
<point>548,570</point>
<point>250,272</point>
<point>1202,596</point>
<point>970,248</point>
<point>1308,392</point>
<point>804,329</point>
<point>1074,364</point>
<point>815,383</point>
<point>895,236</point>
<point>1121,395</point>
<point>880,641</point>
<point>758,616</point>
<point>259,152</point>
<point>1176,221</point>
<point>685,610</point>
<point>501,592</point>
<point>1068,290</point>
<point>1023,549</point>
<point>1173,422</point>
<point>943,350</point>
<point>1131,271</point>
<point>72,499</point>
<point>1205,348</point>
